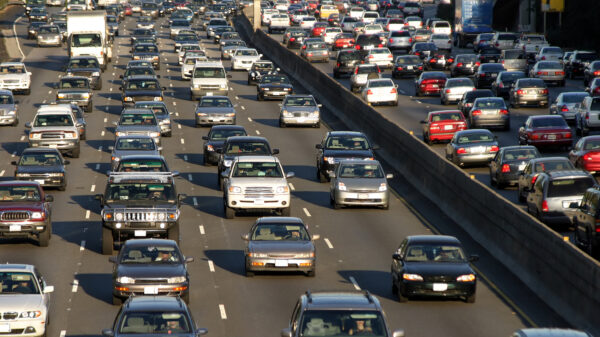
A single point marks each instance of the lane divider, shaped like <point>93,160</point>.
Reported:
<point>201,229</point>
<point>306,212</point>
<point>328,243</point>
<point>222,310</point>
<point>211,266</point>
<point>354,283</point>
<point>82,246</point>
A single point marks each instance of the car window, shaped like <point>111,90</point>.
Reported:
<point>447,116</point>
<point>152,322</point>
<point>216,102</point>
<point>6,99</point>
<point>462,82</point>
<point>548,123</point>
<point>118,192</point>
<point>257,148</point>
<point>18,283</point>
<point>347,142</point>
<point>316,323</point>
<point>300,101</point>
<point>138,119</point>
<point>222,134</point>
<point>569,187</point>
<point>19,193</point>
<point>142,84</point>
<point>53,120</point>
<point>40,159</point>
<point>257,169</point>
<point>279,232</point>
<point>149,254</point>
<point>145,144</point>
<point>360,171</point>
<point>434,253</point>
<point>475,138</point>
<point>489,103</point>
<point>141,165</point>
<point>520,154</point>
<point>74,83</point>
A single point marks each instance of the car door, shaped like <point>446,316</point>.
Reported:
<point>450,149</point>
<point>398,265</point>
<point>524,178</point>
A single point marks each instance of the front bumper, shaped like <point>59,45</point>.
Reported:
<point>126,290</point>
<point>214,120</point>
<point>149,229</point>
<point>8,119</point>
<point>273,94</point>
<point>26,327</point>
<point>280,265</point>
<point>239,201</point>
<point>45,181</point>
<point>54,42</point>
<point>79,102</point>
<point>198,92</point>
<point>311,120</point>
<point>361,199</point>
<point>453,289</point>
<point>22,228</point>
<point>62,145</point>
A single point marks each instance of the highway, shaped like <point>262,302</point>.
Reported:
<point>354,251</point>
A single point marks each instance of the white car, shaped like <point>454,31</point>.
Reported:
<point>380,56</point>
<point>267,14</point>
<point>549,54</point>
<point>15,77</point>
<point>243,58</point>
<point>185,47</point>
<point>380,91</point>
<point>308,23</point>
<point>373,29</point>
<point>24,299</point>
<point>455,88</point>
<point>370,17</point>
<point>441,27</point>
<point>414,21</point>
<point>441,41</point>
<point>357,12</point>
<point>330,34</point>
<point>188,65</point>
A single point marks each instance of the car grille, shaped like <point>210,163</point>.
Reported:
<point>142,133</point>
<point>439,279</point>
<point>302,114</point>
<point>2,112</point>
<point>140,216</point>
<point>74,96</point>
<point>16,215</point>
<point>83,73</point>
<point>143,98</point>
<point>257,192</point>
<point>281,255</point>
<point>52,135</point>
<point>10,315</point>
<point>210,87</point>
<point>151,281</point>
<point>369,190</point>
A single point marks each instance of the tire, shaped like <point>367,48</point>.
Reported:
<point>470,299</point>
<point>173,233</point>
<point>44,237</point>
<point>311,273</point>
<point>205,159</point>
<point>336,74</point>
<point>229,212</point>
<point>401,297</point>
<point>76,152</point>
<point>168,134</point>
<point>16,122</point>
<point>259,98</point>
<point>107,241</point>
<point>27,92</point>
<point>117,300</point>
<point>89,107</point>
<point>282,124</point>
<point>336,205</point>
<point>521,197</point>
<point>62,187</point>
<point>248,272</point>
<point>286,211</point>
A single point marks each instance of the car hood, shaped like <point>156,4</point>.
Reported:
<point>437,268</point>
<point>150,270</point>
<point>216,144</point>
<point>362,183</point>
<point>246,57</point>
<point>258,181</point>
<point>348,153</point>
<point>53,128</point>
<point>215,110</point>
<point>20,205</point>
<point>21,302</point>
<point>48,34</point>
<point>83,70</point>
<point>142,92</point>
<point>40,169</point>
<point>280,247</point>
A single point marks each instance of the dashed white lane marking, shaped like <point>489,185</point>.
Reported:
<point>179,126</point>
<point>166,59</point>
<point>419,102</point>
<point>354,283</point>
<point>201,229</point>
<point>402,92</point>
<point>185,157</point>
<point>211,266</point>
<point>63,333</point>
<point>292,186</point>
<point>13,154</point>
<point>189,176</point>
<point>75,286</point>
<point>257,132</point>
<point>2,173</point>
<point>102,133</point>
<point>82,247</point>
<point>99,148</point>
<point>44,101</point>
<point>49,91</point>
<point>328,243</point>
<point>195,201</point>
<point>110,89</point>
<point>243,108</point>
<point>97,167</point>
<point>174,103</point>
<point>306,211</point>
<point>105,119</point>
<point>182,141</point>
<point>93,188</point>
<point>106,109</point>
<point>87,214</point>
<point>222,310</point>
<point>177,114</point>
<point>237,97</point>
<point>22,138</point>
<point>249,119</point>
<point>113,74</point>
<point>171,85</point>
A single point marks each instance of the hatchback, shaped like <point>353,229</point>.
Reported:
<point>359,183</point>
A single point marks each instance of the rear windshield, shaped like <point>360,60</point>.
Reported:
<point>507,37</point>
<point>511,76</point>
<point>548,123</point>
<point>224,134</point>
<point>475,137</point>
<point>553,165</point>
<point>586,56</point>
<point>461,82</point>
<point>569,187</point>
<point>595,104</point>
<point>532,83</point>
<point>489,103</point>
<point>349,56</point>
<point>520,154</point>
<point>574,97</point>
<point>400,33</point>
<point>408,60</point>
<point>441,24</point>
<point>549,65</point>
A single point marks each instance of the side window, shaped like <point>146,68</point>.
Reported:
<point>402,248</point>
<point>538,187</point>
<point>579,145</point>
<point>40,279</point>
<point>296,317</point>
<point>593,203</point>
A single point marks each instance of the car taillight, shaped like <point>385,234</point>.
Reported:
<point>520,92</point>
<point>482,75</point>
<point>338,65</point>
<point>303,47</point>
<point>504,112</point>
<point>545,91</point>
<point>434,126</point>
<point>410,40</point>
<point>476,112</point>
<point>450,60</point>
<point>391,40</point>
<point>433,61</point>
<point>369,92</point>
<point>559,73</point>
<point>587,156</point>
<point>505,168</point>
<point>567,135</point>
<point>477,63</point>
<point>497,44</point>
<point>371,56</point>
<point>494,148</point>
<point>379,45</point>
<point>535,136</point>
<point>417,53</point>
<point>597,226</point>
<point>357,47</point>
<point>447,91</point>
<point>399,68</point>
<point>587,115</point>
<point>393,91</point>
<point>292,39</point>
<point>461,150</point>
<point>564,108</point>
<point>533,179</point>
<point>545,206</point>
<point>543,57</point>
<point>462,126</point>
<point>420,67</point>
<point>356,71</point>
<point>597,73</point>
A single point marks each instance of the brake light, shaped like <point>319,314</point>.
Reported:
<point>391,40</point>
<point>356,71</point>
<point>567,135</point>
<point>497,44</point>
<point>587,115</point>
<point>559,73</point>
<point>505,168</point>
<point>447,91</point>
<point>543,57</point>
<point>292,39</point>
<point>420,67</point>
<point>520,92</point>
<point>434,126</point>
<point>477,63</point>
<point>545,91</point>
<point>459,64</point>
<point>504,112</point>
<point>545,206</point>
<point>394,91</point>
<point>369,92</point>
<point>432,61</point>
<point>564,108</point>
<point>338,65</point>
<point>357,47</point>
<point>410,40</point>
<point>461,150</point>
<point>417,53</point>
<point>303,47</point>
<point>587,156</point>
<point>380,45</point>
<point>535,136</point>
<point>533,179</point>
<point>482,75</point>
<point>597,73</point>
<point>399,68</point>
<point>597,227</point>
<point>494,148</point>
<point>390,56</point>
<point>476,112</point>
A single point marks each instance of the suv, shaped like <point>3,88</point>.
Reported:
<point>154,316</point>
<point>55,126</point>
<point>87,66</point>
<point>237,146</point>
<point>578,61</point>
<point>346,61</point>
<point>139,204</point>
<point>15,77</point>
<point>339,145</point>
<point>75,90</point>
<point>513,60</point>
<point>209,78</point>
<point>256,183</point>
<point>587,115</point>
<point>338,313</point>
<point>587,222</point>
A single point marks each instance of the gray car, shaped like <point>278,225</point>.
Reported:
<point>472,147</point>
<point>549,71</point>
<point>565,104</point>
<point>536,166</point>
<point>315,51</point>
<point>132,145</point>
<point>213,110</point>
<point>400,40</point>
<point>162,115</point>
<point>279,244</point>
<point>528,91</point>
<point>49,35</point>
<point>300,110</point>
<point>138,122</point>
<point>587,116</point>
<point>489,112</point>
<point>9,114</point>
<point>359,182</point>
<point>75,90</point>
<point>514,60</point>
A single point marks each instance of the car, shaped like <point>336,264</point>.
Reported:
<point>578,61</point>
<point>361,74</point>
<point>300,110</point>
<point>545,332</point>
<point>315,52</point>
<point>509,163</point>
<point>162,114</point>
<point>296,39</point>
<point>278,23</point>
<point>482,40</point>
<point>273,86</point>
<point>430,83</point>
<point>150,267</point>
<point>113,25</point>
<point>346,61</point>
<point>594,87</point>
<point>49,35</point>
<point>489,112</point>
<point>185,38</point>
<point>9,108</point>
<point>503,40</point>
<point>55,126</point>
<point>585,154</point>
<point>213,110</point>
<point>528,91</point>
<point>466,102</point>
<point>143,33</point>
<point>454,89</point>
<point>486,75</point>
<point>407,65</point>
<point>259,69</point>
<point>433,266</point>
<point>138,121</point>
<point>504,81</point>
<point>343,41</point>
<point>380,91</point>
<point>213,142</point>
<point>441,125</point>
<point>400,40</point>
<point>141,88</point>
<point>586,219</point>
<point>438,60</point>
<point>546,131</point>
<point>464,64</point>
<point>87,66</point>
<point>489,54</point>
<point>132,145</point>
<point>147,51</point>
<point>365,42</point>
<point>565,104</point>
<point>514,60</point>
<point>75,90</point>
<point>45,166</point>
<point>586,114</point>
<point>382,57</point>
<point>549,71</point>
<point>242,58</point>
<point>441,41</point>
<point>177,25</point>
<point>423,49</point>
<point>24,290</point>
<point>154,316</point>
<point>33,27</point>
<point>38,14</point>
<point>536,166</point>
<point>15,77</point>
<point>359,182</point>
<point>344,313</point>
<point>268,236</point>
<point>137,70</point>
<point>590,72</point>
<point>338,145</point>
<point>146,22</point>
<point>472,147</point>
<point>555,195</point>
<point>549,54</point>
<point>330,33</point>
<point>238,146</point>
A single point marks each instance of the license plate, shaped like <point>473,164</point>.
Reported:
<point>522,167</point>
<point>448,127</point>
<point>150,290</point>
<point>435,86</point>
<point>281,263</point>
<point>259,202</point>
<point>551,137</point>
<point>478,149</point>
<point>363,196</point>
<point>440,287</point>
<point>4,328</point>
<point>494,74</point>
<point>493,61</point>
<point>139,233</point>
<point>40,181</point>
<point>301,119</point>
<point>14,228</point>
<point>277,93</point>
<point>409,67</point>
<point>53,145</point>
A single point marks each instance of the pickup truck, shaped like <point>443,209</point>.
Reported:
<point>279,22</point>
<point>531,44</point>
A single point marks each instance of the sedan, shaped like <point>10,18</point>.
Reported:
<point>147,51</point>
<point>586,154</point>
<point>549,71</point>
<point>504,81</point>
<point>49,35</point>
<point>407,65</point>
<point>259,69</point>
<point>528,91</point>
<point>590,72</point>
<point>464,64</point>
<point>442,125</point>
<point>274,87</point>
<point>441,41</point>
<point>433,265</point>
<point>546,131</point>
<point>315,51</point>
<point>454,89</point>
<point>214,110</point>
<point>132,145</point>
<point>508,164</point>
<point>9,107</point>
<point>43,165</point>
<point>594,87</point>
<point>486,74</point>
<point>296,39</point>
<point>213,142</point>
<point>473,147</point>
<point>382,57</point>
<point>489,112</point>
<point>534,167</point>
<point>337,146</point>
<point>430,83</point>
<point>380,91</point>
<point>279,244</point>
<point>359,182</point>
<point>300,110</point>
<point>243,58</point>
<point>565,103</point>
<point>343,41</point>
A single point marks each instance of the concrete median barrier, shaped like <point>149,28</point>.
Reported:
<point>559,273</point>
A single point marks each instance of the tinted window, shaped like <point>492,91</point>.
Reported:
<point>222,134</point>
<point>19,193</point>
<point>574,98</point>
<point>548,122</point>
<point>360,171</point>
<point>569,187</point>
<point>279,232</point>
<point>153,322</point>
<point>342,323</point>
<point>257,169</point>
<point>135,144</point>
<point>475,138</point>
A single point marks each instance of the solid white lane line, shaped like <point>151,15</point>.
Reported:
<point>105,119</point>
<point>356,286</point>
<point>93,188</point>
<point>63,333</point>
<point>201,229</point>
<point>222,310</point>
<point>249,119</point>
<point>82,247</point>
<point>306,211</point>
<point>195,201</point>
<point>211,266</point>
<point>292,186</point>
<point>419,102</point>
<point>75,286</point>
<point>179,126</point>
<point>182,141</point>
<point>189,176</point>
<point>328,243</point>
<point>22,138</point>
<point>257,132</point>
<point>2,173</point>
<point>87,214</point>
<point>97,167</point>
<point>102,133</point>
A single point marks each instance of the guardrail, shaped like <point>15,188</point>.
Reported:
<point>559,273</point>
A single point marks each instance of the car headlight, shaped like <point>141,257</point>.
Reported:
<point>383,187</point>
<point>12,112</point>
<point>412,277</point>
<point>136,57</point>
<point>161,216</point>
<point>23,174</point>
<point>56,174</point>
<point>210,148</point>
<point>154,134</point>
<point>128,99</point>
<point>330,160</point>
<point>69,73</point>
<point>165,121</point>
<point>231,114</point>
<point>341,186</point>
<point>223,86</point>
<point>118,216</point>
<point>70,135</point>
<point>120,133</point>
<point>235,189</point>
<point>37,215</point>
<point>176,279</point>
<point>259,255</point>
<point>96,73</point>
<point>125,280</point>
<point>158,98</point>
<point>86,95</point>
<point>266,89</point>
<point>30,314</point>
<point>227,162</point>
<point>282,189</point>
<point>466,278</point>
<point>35,135</point>
<point>60,96</point>
<point>155,58</point>
<point>201,114</point>
<point>305,255</point>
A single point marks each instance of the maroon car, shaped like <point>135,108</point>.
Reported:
<point>586,154</point>
<point>25,211</point>
<point>546,131</point>
<point>430,83</point>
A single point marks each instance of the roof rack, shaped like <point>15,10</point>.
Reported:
<point>369,297</point>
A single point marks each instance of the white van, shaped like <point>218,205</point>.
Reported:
<point>441,27</point>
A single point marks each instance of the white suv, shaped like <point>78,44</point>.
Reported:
<point>256,183</point>
<point>15,77</point>
<point>243,58</point>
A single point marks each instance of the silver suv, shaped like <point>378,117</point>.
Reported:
<point>587,115</point>
<point>8,108</point>
<point>55,126</point>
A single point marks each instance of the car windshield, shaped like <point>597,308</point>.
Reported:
<point>574,97</point>
<point>142,84</point>
<point>549,123</point>
<point>257,148</point>
<point>19,193</point>
<point>154,322</point>
<point>40,159</point>
<point>139,71</point>
<point>342,323</point>
<point>74,83</point>
<point>475,137</point>
<point>300,101</point>
<point>408,60</point>
<point>534,39</point>
<point>149,254</point>
<point>53,120</point>
<point>137,144</point>
<point>569,187</point>
<point>6,99</point>
<point>279,232</point>
<point>116,192</point>
<point>485,37</point>
<point>431,252</point>
<point>49,30</point>
<point>141,165</point>
<point>246,52</point>
<point>87,40</point>
<point>216,102</point>
<point>180,23</point>
<point>84,63</point>
<point>459,82</point>
<point>275,80</point>
<point>12,69</point>
<point>224,134</point>
<point>367,70</point>
<point>158,108</point>
<point>531,83</point>
<point>489,104</point>
<point>257,169</point>
<point>520,154</point>
<point>360,171</point>
<point>18,283</point>
<point>553,165</point>
<point>209,72</point>
<point>347,142</point>
<point>446,116</point>
<point>137,119</point>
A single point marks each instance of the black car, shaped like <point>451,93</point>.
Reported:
<point>154,316</point>
<point>213,143</point>
<point>438,60</point>
<point>407,65</point>
<point>274,87</point>
<point>489,54</point>
<point>592,71</point>
<point>38,14</point>
<point>220,30</point>
<point>504,80</point>
<point>509,162</point>
<point>260,69</point>
<point>466,102</point>
<point>136,71</point>
<point>365,42</point>
<point>423,49</point>
<point>346,61</point>
<point>148,52</point>
<point>464,64</point>
<point>150,267</point>
<point>87,66</point>
<point>486,75</point>
<point>142,32</point>
<point>433,266</point>
<point>237,146</point>
<point>578,61</point>
<point>43,165</point>
<point>296,39</point>
<point>182,39</point>
<point>338,145</point>
<point>141,88</point>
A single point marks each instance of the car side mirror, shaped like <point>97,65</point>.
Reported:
<point>29,73</point>
<point>396,257</point>
<point>48,289</point>
<point>48,198</point>
<point>28,125</point>
<point>181,197</point>
<point>100,198</point>
<point>204,137</point>
<point>201,331</point>
<point>121,88</point>
<point>389,176</point>
<point>398,333</point>
<point>286,332</point>
<point>108,332</point>
<point>67,162</point>
<point>189,259</point>
<point>290,175</point>
<point>319,146</point>
<point>112,259</point>
<point>246,237</point>
<point>275,151</point>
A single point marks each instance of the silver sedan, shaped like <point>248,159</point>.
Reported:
<point>299,110</point>
<point>455,88</point>
<point>213,110</point>
<point>549,71</point>
<point>380,91</point>
<point>359,182</point>
<point>565,103</point>
<point>474,147</point>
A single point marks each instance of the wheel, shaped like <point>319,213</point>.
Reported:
<point>229,212</point>
<point>282,124</point>
<point>470,299</point>
<point>62,187</point>
<point>89,107</point>
<point>173,233</point>
<point>336,74</point>
<point>248,272</point>
<point>186,297</point>
<point>76,151</point>
<point>401,297</point>
<point>259,98</point>
<point>286,211</point>
<point>44,237</point>
<point>321,177</point>
<point>107,241</point>
<point>311,273</point>
<point>336,205</point>
<point>27,91</point>
<point>16,122</point>
<point>395,103</point>
<point>205,159</point>
<point>385,206</point>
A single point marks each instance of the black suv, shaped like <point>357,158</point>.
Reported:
<point>338,313</point>
<point>587,222</point>
<point>213,142</point>
<point>578,61</point>
<point>87,66</point>
<point>346,62</point>
<point>365,42</point>
<point>241,146</point>
<point>154,315</point>
<point>338,145</point>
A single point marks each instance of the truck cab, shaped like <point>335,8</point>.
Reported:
<point>87,34</point>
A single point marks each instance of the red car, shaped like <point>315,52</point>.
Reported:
<point>441,125</point>
<point>343,41</point>
<point>430,83</point>
<point>546,131</point>
<point>127,10</point>
<point>586,154</point>
<point>318,29</point>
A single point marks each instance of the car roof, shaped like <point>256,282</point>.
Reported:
<point>12,64</point>
<point>150,303</point>
<point>246,159</point>
<point>345,133</point>
<point>40,149</point>
<point>16,267</point>
<point>142,77</point>
<point>227,127</point>
<point>73,77</point>
<point>6,92</point>
<point>359,161</point>
<point>143,156</point>
<point>133,137</point>
<point>341,300</point>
